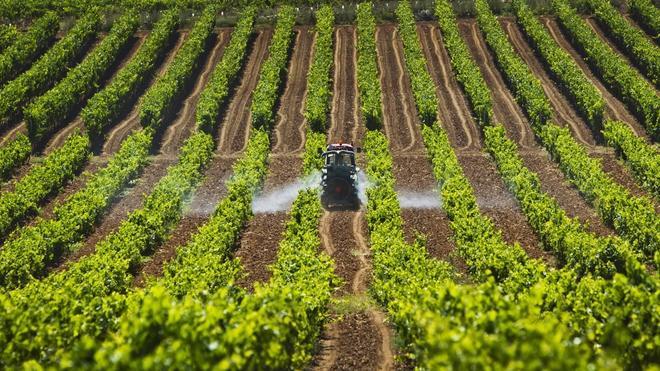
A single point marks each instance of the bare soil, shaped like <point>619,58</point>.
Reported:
<point>234,131</point>
<point>534,157</point>
<point>455,113</point>
<point>260,240</point>
<point>614,109</point>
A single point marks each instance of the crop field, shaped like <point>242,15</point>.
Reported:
<point>160,203</point>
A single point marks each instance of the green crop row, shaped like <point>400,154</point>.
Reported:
<point>41,181</point>
<point>47,316</point>
<point>628,84</point>
<point>270,76</point>
<point>582,251</point>
<point>194,281</point>
<point>592,261</point>
<point>28,47</point>
<point>465,68</point>
<point>634,218</point>
<point>13,155</point>
<point>367,68</point>
<point>527,88</point>
<point>50,111</point>
<point>642,51</point>
<point>642,159</point>
<point>647,15</point>
<point>319,87</point>
<point>445,325</point>
<point>584,95</point>
<point>423,87</point>
<point>8,35</point>
<point>25,256</point>
<point>107,105</point>
<point>158,100</point>
<point>225,73</point>
<point>50,68</point>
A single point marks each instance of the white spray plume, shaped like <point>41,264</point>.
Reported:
<point>281,198</point>
<point>419,199</point>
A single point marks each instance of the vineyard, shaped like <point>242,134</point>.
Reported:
<point>160,198</point>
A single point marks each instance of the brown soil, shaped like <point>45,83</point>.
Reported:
<point>631,61</point>
<point>131,120</point>
<point>359,339</point>
<point>20,127</point>
<point>614,109</point>
<point>61,135</point>
<point>131,199</point>
<point>455,113</point>
<point>346,122</point>
<point>184,122</point>
<point>399,111</point>
<point>234,131</point>
<point>555,184</point>
<point>534,157</point>
<point>506,111</point>
<point>563,112</point>
<point>289,135</point>
<point>566,115</point>
<point>260,240</point>
<point>196,213</point>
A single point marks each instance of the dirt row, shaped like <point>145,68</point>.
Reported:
<point>356,337</point>
<point>566,115</point>
<point>133,197</point>
<point>211,190</point>
<point>258,245</point>
<point>534,156</point>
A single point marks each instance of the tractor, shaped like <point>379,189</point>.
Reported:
<point>339,177</point>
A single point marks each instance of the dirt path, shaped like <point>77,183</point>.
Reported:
<point>399,109</point>
<point>455,113</point>
<point>234,131</point>
<point>346,122</point>
<point>184,122</point>
<point>260,240</point>
<point>614,109</point>
<point>565,115</point>
<point>534,157</point>
<point>505,108</point>
<point>77,124</point>
<point>212,188</point>
<point>593,24</point>
<point>119,132</point>
<point>289,135</point>
<point>357,337</point>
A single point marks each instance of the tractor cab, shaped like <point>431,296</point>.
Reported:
<point>339,176</point>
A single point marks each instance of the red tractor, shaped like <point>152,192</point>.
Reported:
<point>339,177</point>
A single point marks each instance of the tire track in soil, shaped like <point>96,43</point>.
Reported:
<point>345,123</point>
<point>394,86</point>
<point>358,339</point>
<point>289,136</point>
<point>567,116</point>
<point>77,124</point>
<point>614,108</point>
<point>234,131</point>
<point>131,121</point>
<point>592,22</point>
<point>534,157</point>
<point>134,195</point>
<point>563,112</point>
<point>453,106</point>
<point>505,109</point>
<point>259,241</point>
<point>184,123</point>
